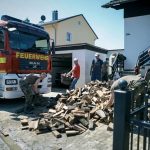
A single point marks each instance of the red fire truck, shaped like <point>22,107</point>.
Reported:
<point>24,49</point>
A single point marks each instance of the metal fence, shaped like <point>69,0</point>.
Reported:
<point>131,121</point>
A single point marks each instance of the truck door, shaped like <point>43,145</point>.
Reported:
<point>2,57</point>
<point>3,53</point>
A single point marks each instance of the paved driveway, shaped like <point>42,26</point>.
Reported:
<point>98,139</point>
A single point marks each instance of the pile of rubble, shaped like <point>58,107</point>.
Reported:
<point>75,112</point>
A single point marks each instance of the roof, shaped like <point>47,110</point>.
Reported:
<point>80,46</point>
<point>116,50</point>
<point>116,3</point>
<point>64,19</point>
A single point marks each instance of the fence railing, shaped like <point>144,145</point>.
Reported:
<point>131,121</point>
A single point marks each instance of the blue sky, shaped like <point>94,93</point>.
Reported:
<point>108,24</point>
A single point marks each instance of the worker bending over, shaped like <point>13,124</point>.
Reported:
<point>29,86</point>
<point>133,81</point>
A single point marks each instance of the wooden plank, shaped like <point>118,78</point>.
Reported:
<point>58,113</point>
<point>91,125</point>
<point>5,133</point>
<point>60,107</point>
<point>56,134</point>
<point>99,93</point>
<point>110,127</point>
<point>94,99</point>
<point>52,111</point>
<point>83,121</point>
<point>79,128</point>
<point>66,117</point>
<point>25,128</point>
<point>41,131</point>
<point>61,121</point>
<point>79,115</point>
<point>71,119</point>
<point>36,123</point>
<point>24,122</point>
<point>61,128</point>
<point>79,92</point>
<point>63,99</point>
<point>78,111</point>
<point>82,126</point>
<point>93,110</point>
<point>85,109</point>
<point>65,107</point>
<point>72,132</point>
<point>70,107</point>
<point>96,116</point>
<point>100,113</point>
<point>33,125</point>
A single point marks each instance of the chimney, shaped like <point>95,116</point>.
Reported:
<point>54,15</point>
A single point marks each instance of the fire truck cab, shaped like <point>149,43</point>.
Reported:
<point>24,49</point>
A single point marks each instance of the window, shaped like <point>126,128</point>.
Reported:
<point>79,22</point>
<point>1,40</point>
<point>28,43</point>
<point>14,40</point>
<point>69,36</point>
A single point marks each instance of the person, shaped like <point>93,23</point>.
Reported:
<point>105,70</point>
<point>75,71</point>
<point>96,67</point>
<point>149,52</point>
<point>116,76</point>
<point>29,86</point>
<point>137,70</point>
<point>134,81</point>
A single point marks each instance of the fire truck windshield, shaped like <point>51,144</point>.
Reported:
<point>27,42</point>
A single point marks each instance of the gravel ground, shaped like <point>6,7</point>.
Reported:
<point>3,145</point>
<point>98,139</point>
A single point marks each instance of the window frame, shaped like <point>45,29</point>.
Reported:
<point>69,36</point>
<point>22,36</point>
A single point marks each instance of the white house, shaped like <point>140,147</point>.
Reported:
<point>136,29</point>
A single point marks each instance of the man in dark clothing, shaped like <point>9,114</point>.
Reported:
<point>105,70</point>
<point>96,67</point>
<point>29,86</point>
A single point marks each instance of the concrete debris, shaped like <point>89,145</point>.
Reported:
<point>75,112</point>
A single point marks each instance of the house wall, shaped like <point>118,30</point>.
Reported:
<point>52,31</point>
<point>85,58</point>
<point>79,29</point>
<point>77,26</point>
<point>137,38</point>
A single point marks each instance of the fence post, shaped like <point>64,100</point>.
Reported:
<point>122,104</point>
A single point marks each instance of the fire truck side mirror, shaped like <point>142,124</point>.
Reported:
<point>53,48</point>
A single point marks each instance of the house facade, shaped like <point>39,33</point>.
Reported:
<point>136,28</point>
<point>74,38</point>
<point>71,30</point>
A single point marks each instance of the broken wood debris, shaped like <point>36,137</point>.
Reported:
<point>24,122</point>
<point>75,112</point>
<point>4,132</point>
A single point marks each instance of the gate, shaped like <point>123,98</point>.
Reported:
<point>131,121</point>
